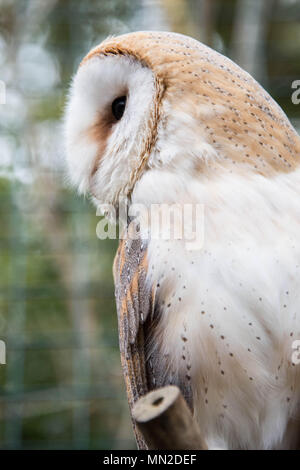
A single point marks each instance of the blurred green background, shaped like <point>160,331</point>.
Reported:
<point>62,385</point>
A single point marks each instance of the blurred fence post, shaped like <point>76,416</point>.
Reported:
<point>249,34</point>
<point>15,327</point>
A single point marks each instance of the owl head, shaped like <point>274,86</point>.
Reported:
<point>157,101</point>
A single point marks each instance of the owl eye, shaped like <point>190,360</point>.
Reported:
<point>118,107</point>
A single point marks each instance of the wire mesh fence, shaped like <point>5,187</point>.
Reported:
<point>61,385</point>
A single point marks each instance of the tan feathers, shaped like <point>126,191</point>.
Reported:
<point>236,115</point>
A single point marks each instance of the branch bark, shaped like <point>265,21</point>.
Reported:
<point>165,421</point>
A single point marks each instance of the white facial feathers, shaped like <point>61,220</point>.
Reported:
<point>103,152</point>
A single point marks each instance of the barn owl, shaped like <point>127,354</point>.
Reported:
<point>159,118</point>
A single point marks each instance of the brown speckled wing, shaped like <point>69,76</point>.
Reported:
<point>135,301</point>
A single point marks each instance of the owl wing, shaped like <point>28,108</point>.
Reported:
<point>134,300</point>
<point>138,311</point>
